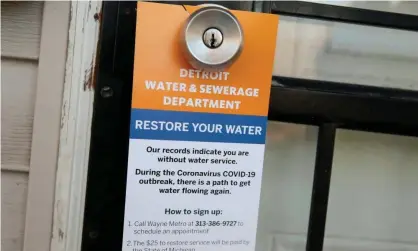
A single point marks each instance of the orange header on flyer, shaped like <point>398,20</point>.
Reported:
<point>163,79</point>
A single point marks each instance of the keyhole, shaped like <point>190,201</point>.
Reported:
<point>213,41</point>
<point>212,38</point>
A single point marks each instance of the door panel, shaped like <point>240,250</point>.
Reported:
<point>306,49</point>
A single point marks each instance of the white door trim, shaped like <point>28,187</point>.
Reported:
<point>76,119</point>
<point>46,125</point>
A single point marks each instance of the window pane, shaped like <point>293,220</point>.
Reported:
<point>341,52</point>
<point>287,186</point>
<point>373,203</point>
<point>403,7</point>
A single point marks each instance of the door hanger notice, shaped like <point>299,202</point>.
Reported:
<point>196,138</point>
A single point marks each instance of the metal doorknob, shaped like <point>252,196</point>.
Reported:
<point>212,38</point>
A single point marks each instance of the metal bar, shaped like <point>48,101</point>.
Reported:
<point>346,14</point>
<point>320,189</point>
<point>362,108</point>
<point>346,88</point>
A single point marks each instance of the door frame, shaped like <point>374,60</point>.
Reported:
<point>75,125</point>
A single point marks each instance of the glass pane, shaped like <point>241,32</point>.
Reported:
<point>341,52</point>
<point>403,7</point>
<point>287,186</point>
<point>373,203</point>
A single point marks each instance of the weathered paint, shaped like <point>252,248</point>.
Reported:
<point>75,125</point>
